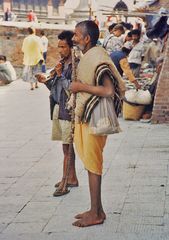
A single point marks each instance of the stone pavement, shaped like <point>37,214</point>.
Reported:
<point>135,187</point>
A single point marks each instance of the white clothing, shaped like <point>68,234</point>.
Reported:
<point>113,43</point>
<point>12,70</point>
<point>44,41</point>
<point>136,54</point>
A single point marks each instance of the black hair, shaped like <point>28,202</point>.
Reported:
<point>126,50</point>
<point>119,27</point>
<point>67,35</point>
<point>128,26</point>
<point>30,30</point>
<point>90,28</point>
<point>129,34</point>
<point>136,32</point>
<point>3,57</point>
<point>112,26</point>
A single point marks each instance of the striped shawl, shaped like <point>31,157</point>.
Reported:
<point>94,100</point>
<point>93,64</point>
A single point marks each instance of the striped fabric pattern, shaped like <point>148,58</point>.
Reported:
<point>94,100</point>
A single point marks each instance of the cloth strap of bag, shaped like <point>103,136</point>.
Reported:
<point>94,100</point>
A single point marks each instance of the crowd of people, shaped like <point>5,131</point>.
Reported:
<point>131,50</point>
<point>123,52</point>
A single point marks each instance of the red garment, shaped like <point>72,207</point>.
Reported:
<point>31,17</point>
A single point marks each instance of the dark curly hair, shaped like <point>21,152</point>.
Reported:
<point>67,35</point>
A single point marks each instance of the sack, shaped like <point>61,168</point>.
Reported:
<point>103,119</point>
<point>140,96</point>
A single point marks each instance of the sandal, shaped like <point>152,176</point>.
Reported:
<point>68,185</point>
<point>60,192</point>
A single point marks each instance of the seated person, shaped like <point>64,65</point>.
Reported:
<point>114,41</point>
<point>137,53</point>
<point>7,72</point>
<point>146,117</point>
<point>9,15</point>
<point>119,59</point>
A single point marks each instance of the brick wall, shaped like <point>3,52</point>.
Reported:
<point>161,102</point>
<point>11,39</point>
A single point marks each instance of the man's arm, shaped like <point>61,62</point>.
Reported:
<point>128,72</point>
<point>43,79</point>
<point>106,90</point>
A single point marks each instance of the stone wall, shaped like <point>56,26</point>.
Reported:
<point>11,39</point>
<point>161,103</point>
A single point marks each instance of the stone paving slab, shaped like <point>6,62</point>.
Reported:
<point>144,198</point>
<point>135,189</point>
<point>85,236</point>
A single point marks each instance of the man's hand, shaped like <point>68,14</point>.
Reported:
<point>41,77</point>
<point>58,69</point>
<point>137,85</point>
<point>105,90</point>
<point>76,87</point>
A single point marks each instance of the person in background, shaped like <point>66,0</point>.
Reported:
<point>7,15</point>
<point>44,41</point>
<point>96,20</point>
<point>58,84</point>
<point>115,40</point>
<point>108,21</point>
<point>152,52</point>
<point>7,71</point>
<point>33,57</point>
<point>31,16</point>
<point>108,32</point>
<point>119,59</point>
<point>146,117</point>
<point>128,39</point>
<point>137,53</point>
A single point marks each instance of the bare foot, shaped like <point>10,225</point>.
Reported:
<point>89,219</point>
<point>82,215</point>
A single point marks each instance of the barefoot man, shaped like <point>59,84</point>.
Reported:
<point>89,146</point>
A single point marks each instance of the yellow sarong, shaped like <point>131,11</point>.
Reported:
<point>90,148</point>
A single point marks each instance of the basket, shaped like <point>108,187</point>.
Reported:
<point>132,111</point>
